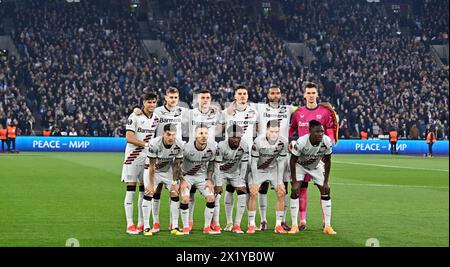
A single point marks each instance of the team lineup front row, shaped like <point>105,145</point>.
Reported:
<point>255,153</point>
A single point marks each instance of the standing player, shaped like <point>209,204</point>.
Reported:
<point>198,168</point>
<point>274,110</point>
<point>300,119</point>
<point>163,166</point>
<point>307,153</point>
<point>139,130</point>
<point>231,166</point>
<point>171,113</point>
<point>242,114</point>
<point>209,116</point>
<point>268,162</point>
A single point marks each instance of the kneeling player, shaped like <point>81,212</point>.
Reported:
<point>306,155</point>
<point>231,166</point>
<point>268,164</point>
<point>164,168</point>
<point>198,168</point>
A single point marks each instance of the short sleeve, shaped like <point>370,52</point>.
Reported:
<point>295,148</point>
<point>131,123</point>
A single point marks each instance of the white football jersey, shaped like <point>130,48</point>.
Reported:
<point>195,162</point>
<point>267,154</point>
<point>266,113</point>
<point>230,160</point>
<point>308,155</point>
<point>210,119</point>
<point>247,119</point>
<point>175,116</point>
<point>164,156</point>
<point>144,129</point>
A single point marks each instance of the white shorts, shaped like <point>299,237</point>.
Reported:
<point>200,183</point>
<point>317,174</point>
<point>165,178</point>
<point>271,176</point>
<point>132,173</point>
<point>233,180</point>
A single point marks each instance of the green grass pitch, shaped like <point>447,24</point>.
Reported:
<point>46,198</point>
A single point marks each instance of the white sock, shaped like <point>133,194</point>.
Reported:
<point>326,208</point>
<point>128,204</point>
<point>174,213</point>
<point>279,217</point>
<point>241,205</point>
<point>263,207</point>
<point>146,210</point>
<point>229,205</point>
<point>251,218</point>
<point>209,213</point>
<point>286,207</point>
<point>184,216</point>
<point>155,210</point>
<point>140,211</point>
<point>217,209</point>
<point>191,206</point>
<point>295,206</point>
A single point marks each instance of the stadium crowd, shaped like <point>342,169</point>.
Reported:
<point>86,70</point>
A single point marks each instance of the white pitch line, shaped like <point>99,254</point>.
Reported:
<point>393,185</point>
<point>388,166</point>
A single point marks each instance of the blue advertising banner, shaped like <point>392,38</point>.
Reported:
<point>117,144</point>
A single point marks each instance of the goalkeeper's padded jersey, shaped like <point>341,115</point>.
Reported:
<point>308,155</point>
<point>165,156</point>
<point>230,160</point>
<point>302,116</point>
<point>195,162</point>
<point>144,129</point>
<point>267,154</point>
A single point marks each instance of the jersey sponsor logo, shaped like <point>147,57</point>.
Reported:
<point>277,116</point>
<point>143,130</point>
<point>170,120</point>
<point>303,124</point>
<point>318,116</point>
<point>207,124</point>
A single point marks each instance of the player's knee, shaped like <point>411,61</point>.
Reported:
<point>184,193</point>
<point>131,187</point>
<point>229,188</point>
<point>210,204</point>
<point>241,191</point>
<point>175,199</point>
<point>157,196</point>
<point>286,184</point>
<point>141,188</point>
<point>294,193</point>
<point>281,192</point>
<point>253,192</point>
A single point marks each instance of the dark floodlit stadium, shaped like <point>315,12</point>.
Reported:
<point>224,123</point>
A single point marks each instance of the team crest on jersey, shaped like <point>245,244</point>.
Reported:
<point>318,116</point>
<point>301,115</point>
<point>130,121</point>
